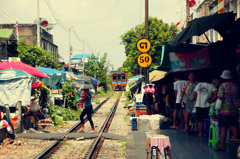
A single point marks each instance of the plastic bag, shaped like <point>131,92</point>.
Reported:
<point>219,104</point>
<point>34,107</point>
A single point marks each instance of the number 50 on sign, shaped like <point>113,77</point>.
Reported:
<point>144,60</point>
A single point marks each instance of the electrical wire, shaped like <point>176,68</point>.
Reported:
<point>7,15</point>
<point>76,35</point>
<point>55,16</point>
<point>5,19</point>
<point>10,12</point>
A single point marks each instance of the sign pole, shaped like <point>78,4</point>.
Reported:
<point>140,52</point>
<point>38,26</point>
<point>146,36</point>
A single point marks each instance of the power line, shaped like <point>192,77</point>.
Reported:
<point>76,35</point>
<point>55,15</point>
<point>7,15</point>
<point>5,19</point>
<point>11,12</point>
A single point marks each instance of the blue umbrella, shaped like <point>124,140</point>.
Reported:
<point>95,80</point>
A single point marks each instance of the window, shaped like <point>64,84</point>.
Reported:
<point>119,77</point>
<point>114,77</point>
<point>123,77</point>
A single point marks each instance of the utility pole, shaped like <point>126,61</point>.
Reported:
<point>83,59</point>
<point>173,33</point>
<point>140,52</point>
<point>38,25</point>
<point>69,63</point>
<point>95,73</point>
<point>187,11</point>
<point>146,36</point>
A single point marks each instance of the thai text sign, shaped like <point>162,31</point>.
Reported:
<point>192,60</point>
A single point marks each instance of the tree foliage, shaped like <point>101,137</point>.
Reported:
<point>158,34</point>
<point>96,68</point>
<point>36,56</point>
<point>70,94</point>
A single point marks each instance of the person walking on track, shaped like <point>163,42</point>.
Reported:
<point>87,111</point>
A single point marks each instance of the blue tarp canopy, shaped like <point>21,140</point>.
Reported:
<point>48,71</point>
<point>135,77</point>
<point>80,56</point>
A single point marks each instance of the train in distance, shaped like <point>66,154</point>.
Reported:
<point>119,81</point>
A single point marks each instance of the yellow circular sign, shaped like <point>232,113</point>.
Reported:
<point>143,45</point>
<point>144,60</point>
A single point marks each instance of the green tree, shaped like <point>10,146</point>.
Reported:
<point>70,95</point>
<point>96,68</point>
<point>158,34</point>
<point>36,56</point>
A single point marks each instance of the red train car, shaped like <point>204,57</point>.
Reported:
<point>119,81</point>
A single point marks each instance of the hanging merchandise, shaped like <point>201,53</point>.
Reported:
<point>192,3</point>
<point>151,88</point>
<point>143,88</point>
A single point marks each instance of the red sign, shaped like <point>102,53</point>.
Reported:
<point>44,23</point>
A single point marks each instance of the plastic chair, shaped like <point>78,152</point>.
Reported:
<point>206,125</point>
<point>212,140</point>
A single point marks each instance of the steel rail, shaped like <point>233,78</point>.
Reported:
<point>49,150</point>
<point>106,123</point>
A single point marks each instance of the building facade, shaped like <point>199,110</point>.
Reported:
<point>29,31</point>
<point>211,7</point>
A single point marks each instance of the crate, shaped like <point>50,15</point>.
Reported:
<point>141,105</point>
<point>140,111</point>
<point>232,147</point>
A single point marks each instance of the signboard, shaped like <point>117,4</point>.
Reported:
<point>144,60</point>
<point>143,45</point>
<point>192,60</point>
<point>14,59</point>
<point>44,23</point>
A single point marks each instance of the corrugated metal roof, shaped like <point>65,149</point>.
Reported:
<point>6,33</point>
<point>80,56</point>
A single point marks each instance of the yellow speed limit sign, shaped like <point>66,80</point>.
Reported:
<point>143,45</point>
<point>144,60</point>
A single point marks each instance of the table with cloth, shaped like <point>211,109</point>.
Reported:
<point>161,141</point>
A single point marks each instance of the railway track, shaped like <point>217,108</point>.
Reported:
<point>58,143</point>
<point>98,142</point>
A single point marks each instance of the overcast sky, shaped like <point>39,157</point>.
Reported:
<point>100,22</point>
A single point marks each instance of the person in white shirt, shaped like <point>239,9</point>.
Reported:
<point>177,89</point>
<point>205,93</point>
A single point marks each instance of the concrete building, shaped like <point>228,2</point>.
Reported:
<point>29,31</point>
<point>211,7</point>
<point>77,61</point>
<point>202,10</point>
<point>6,37</point>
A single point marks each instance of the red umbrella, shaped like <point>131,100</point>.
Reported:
<point>24,67</point>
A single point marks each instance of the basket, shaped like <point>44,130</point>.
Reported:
<point>141,112</point>
<point>232,147</point>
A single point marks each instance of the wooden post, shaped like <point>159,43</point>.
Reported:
<point>8,118</point>
<point>19,115</point>
<point>146,36</point>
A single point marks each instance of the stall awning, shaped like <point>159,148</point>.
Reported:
<point>156,75</point>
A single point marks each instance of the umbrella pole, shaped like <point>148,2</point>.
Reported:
<point>207,38</point>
